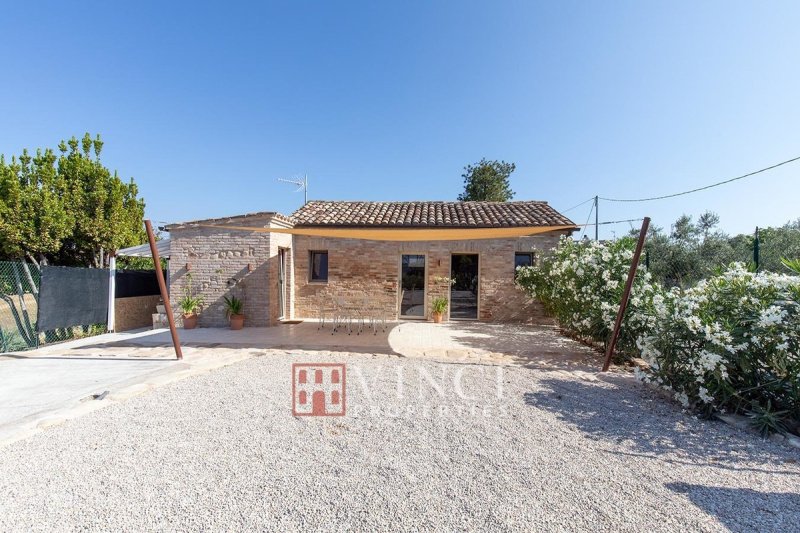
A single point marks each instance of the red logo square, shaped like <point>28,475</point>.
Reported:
<point>318,389</point>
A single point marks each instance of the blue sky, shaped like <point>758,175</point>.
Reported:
<point>206,104</point>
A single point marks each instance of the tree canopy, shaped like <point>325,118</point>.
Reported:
<point>487,181</point>
<point>67,209</point>
<point>693,250</point>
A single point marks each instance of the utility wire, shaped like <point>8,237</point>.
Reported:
<point>611,222</point>
<point>587,218</point>
<point>577,206</point>
<point>702,188</point>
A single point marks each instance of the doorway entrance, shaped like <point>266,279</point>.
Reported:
<point>282,283</point>
<point>412,286</point>
<point>464,291</point>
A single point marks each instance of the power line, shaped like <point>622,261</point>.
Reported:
<point>702,188</point>
<point>577,206</point>
<point>611,222</point>
<point>587,218</point>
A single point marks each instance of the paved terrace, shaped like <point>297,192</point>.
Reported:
<point>47,386</point>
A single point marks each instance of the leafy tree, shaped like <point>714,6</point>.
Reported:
<point>34,207</point>
<point>774,244</point>
<point>69,209</point>
<point>707,222</point>
<point>694,251</point>
<point>487,181</point>
<point>108,214</point>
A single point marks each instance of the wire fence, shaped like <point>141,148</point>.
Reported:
<point>20,284</point>
<point>684,264</point>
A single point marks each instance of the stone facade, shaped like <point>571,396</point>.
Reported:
<point>134,312</point>
<point>224,261</point>
<point>363,270</point>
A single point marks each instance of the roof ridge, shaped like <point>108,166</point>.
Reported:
<point>429,213</point>
<point>426,202</point>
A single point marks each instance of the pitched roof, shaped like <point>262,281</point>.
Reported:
<point>429,214</point>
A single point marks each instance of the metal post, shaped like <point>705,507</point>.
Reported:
<point>757,251</point>
<point>626,293</point>
<point>163,287</point>
<point>596,218</point>
<point>305,189</point>
<point>112,290</point>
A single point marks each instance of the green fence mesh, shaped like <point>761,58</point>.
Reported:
<point>19,306</point>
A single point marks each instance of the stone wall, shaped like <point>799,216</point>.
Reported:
<point>224,262</point>
<point>134,312</point>
<point>360,270</point>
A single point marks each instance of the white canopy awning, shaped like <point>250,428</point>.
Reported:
<point>143,250</point>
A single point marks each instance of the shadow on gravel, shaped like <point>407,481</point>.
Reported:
<point>744,509</point>
<point>539,347</point>
<point>615,410</point>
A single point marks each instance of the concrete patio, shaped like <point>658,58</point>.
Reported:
<point>54,383</point>
<point>473,341</point>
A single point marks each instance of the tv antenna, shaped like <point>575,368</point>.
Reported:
<point>302,185</point>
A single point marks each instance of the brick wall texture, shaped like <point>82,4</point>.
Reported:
<point>217,260</point>
<point>358,271</point>
<point>134,312</point>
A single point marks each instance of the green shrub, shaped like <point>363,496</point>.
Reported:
<point>731,343</point>
<point>581,284</point>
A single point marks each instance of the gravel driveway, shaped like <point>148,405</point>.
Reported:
<point>500,448</point>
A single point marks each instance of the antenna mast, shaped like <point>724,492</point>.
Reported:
<point>302,185</point>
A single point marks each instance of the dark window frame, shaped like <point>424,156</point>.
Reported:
<point>311,277</point>
<point>531,255</point>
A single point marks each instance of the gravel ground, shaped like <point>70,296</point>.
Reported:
<point>543,450</point>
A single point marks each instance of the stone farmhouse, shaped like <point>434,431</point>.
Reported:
<point>392,258</point>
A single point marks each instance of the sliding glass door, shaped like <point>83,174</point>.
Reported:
<point>464,291</point>
<point>412,286</point>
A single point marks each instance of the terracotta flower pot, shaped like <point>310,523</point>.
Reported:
<point>189,321</point>
<point>437,317</point>
<point>237,321</point>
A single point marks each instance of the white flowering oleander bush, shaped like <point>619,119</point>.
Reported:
<point>581,285</point>
<point>730,343</point>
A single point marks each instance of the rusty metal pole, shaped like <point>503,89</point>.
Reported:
<point>626,293</point>
<point>163,287</point>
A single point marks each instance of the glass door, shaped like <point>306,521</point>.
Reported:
<point>464,292</point>
<point>412,286</point>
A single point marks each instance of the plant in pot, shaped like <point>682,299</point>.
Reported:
<point>438,308</point>
<point>189,305</point>
<point>233,310</point>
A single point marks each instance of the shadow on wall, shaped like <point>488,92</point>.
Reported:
<point>249,286</point>
<point>619,410</point>
<point>744,509</point>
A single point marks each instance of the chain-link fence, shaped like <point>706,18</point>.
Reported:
<point>20,284</point>
<point>682,264</point>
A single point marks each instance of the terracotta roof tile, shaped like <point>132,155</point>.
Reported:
<point>428,214</point>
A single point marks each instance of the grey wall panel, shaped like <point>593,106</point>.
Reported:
<point>72,297</point>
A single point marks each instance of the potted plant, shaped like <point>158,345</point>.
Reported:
<point>438,308</point>
<point>189,306</point>
<point>233,310</point>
